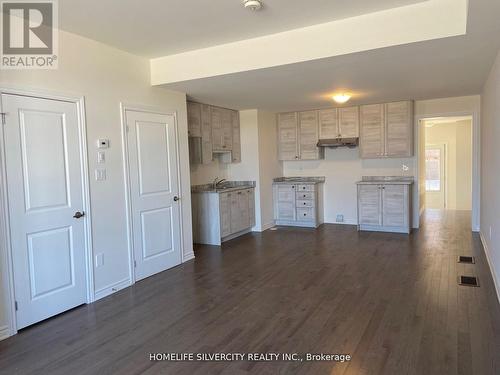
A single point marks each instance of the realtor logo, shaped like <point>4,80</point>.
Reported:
<point>29,34</point>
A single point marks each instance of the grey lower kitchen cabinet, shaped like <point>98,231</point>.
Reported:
<point>385,205</point>
<point>298,202</point>
<point>220,215</point>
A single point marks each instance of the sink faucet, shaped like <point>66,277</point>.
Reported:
<point>217,182</point>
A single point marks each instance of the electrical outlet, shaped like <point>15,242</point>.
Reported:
<point>340,218</point>
<point>99,260</point>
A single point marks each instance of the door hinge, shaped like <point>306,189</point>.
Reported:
<point>135,264</point>
<point>3,114</point>
<point>15,305</point>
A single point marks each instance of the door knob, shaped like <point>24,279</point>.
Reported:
<point>176,198</point>
<point>78,214</point>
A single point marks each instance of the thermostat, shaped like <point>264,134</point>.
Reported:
<point>103,143</point>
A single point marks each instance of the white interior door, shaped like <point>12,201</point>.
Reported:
<point>45,189</point>
<point>154,189</point>
<point>435,176</point>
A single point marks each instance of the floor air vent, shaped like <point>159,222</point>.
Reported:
<point>468,281</point>
<point>466,259</point>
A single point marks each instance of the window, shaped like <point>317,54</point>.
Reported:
<point>433,169</point>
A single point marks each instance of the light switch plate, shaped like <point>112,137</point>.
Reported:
<point>99,260</point>
<point>100,174</point>
<point>101,157</point>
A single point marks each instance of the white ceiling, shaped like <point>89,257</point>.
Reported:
<point>155,28</point>
<point>445,67</point>
<point>452,66</point>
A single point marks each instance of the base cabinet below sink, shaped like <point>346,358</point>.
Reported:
<point>218,217</point>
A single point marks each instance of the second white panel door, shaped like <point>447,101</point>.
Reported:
<point>153,163</point>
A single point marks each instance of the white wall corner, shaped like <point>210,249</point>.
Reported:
<point>188,256</point>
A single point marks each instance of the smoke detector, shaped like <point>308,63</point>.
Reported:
<point>252,4</point>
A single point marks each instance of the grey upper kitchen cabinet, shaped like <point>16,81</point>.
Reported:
<point>206,135</point>
<point>372,123</point>
<point>222,129</point>
<point>217,131</point>
<point>194,119</point>
<point>308,136</point>
<point>288,146</point>
<point>339,123</point>
<point>213,130</point>
<point>328,123</point>
<point>399,129</point>
<point>348,122</point>
<point>236,146</point>
<point>298,134</point>
<point>386,130</point>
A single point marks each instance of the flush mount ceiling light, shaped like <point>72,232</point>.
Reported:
<point>252,4</point>
<point>341,98</point>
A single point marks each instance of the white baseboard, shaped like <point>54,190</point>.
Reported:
<point>187,257</point>
<point>110,289</point>
<point>347,222</point>
<point>4,332</point>
<point>264,227</point>
<point>496,281</point>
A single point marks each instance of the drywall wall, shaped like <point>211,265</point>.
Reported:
<point>490,181</point>
<point>206,173</point>
<point>421,167</point>
<point>457,138</point>
<point>248,168</point>
<point>269,166</point>
<point>106,77</point>
<point>343,167</point>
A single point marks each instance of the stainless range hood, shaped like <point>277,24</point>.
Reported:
<point>338,142</point>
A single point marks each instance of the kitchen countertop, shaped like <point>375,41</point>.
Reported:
<point>223,187</point>
<point>386,180</point>
<point>299,180</point>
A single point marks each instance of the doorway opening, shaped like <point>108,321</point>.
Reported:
<point>446,157</point>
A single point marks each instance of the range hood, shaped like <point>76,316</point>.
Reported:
<point>338,142</point>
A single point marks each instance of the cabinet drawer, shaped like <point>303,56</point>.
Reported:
<point>305,188</point>
<point>305,203</point>
<point>305,195</point>
<point>306,214</point>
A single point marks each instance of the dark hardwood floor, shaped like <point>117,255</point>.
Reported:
<point>391,301</point>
